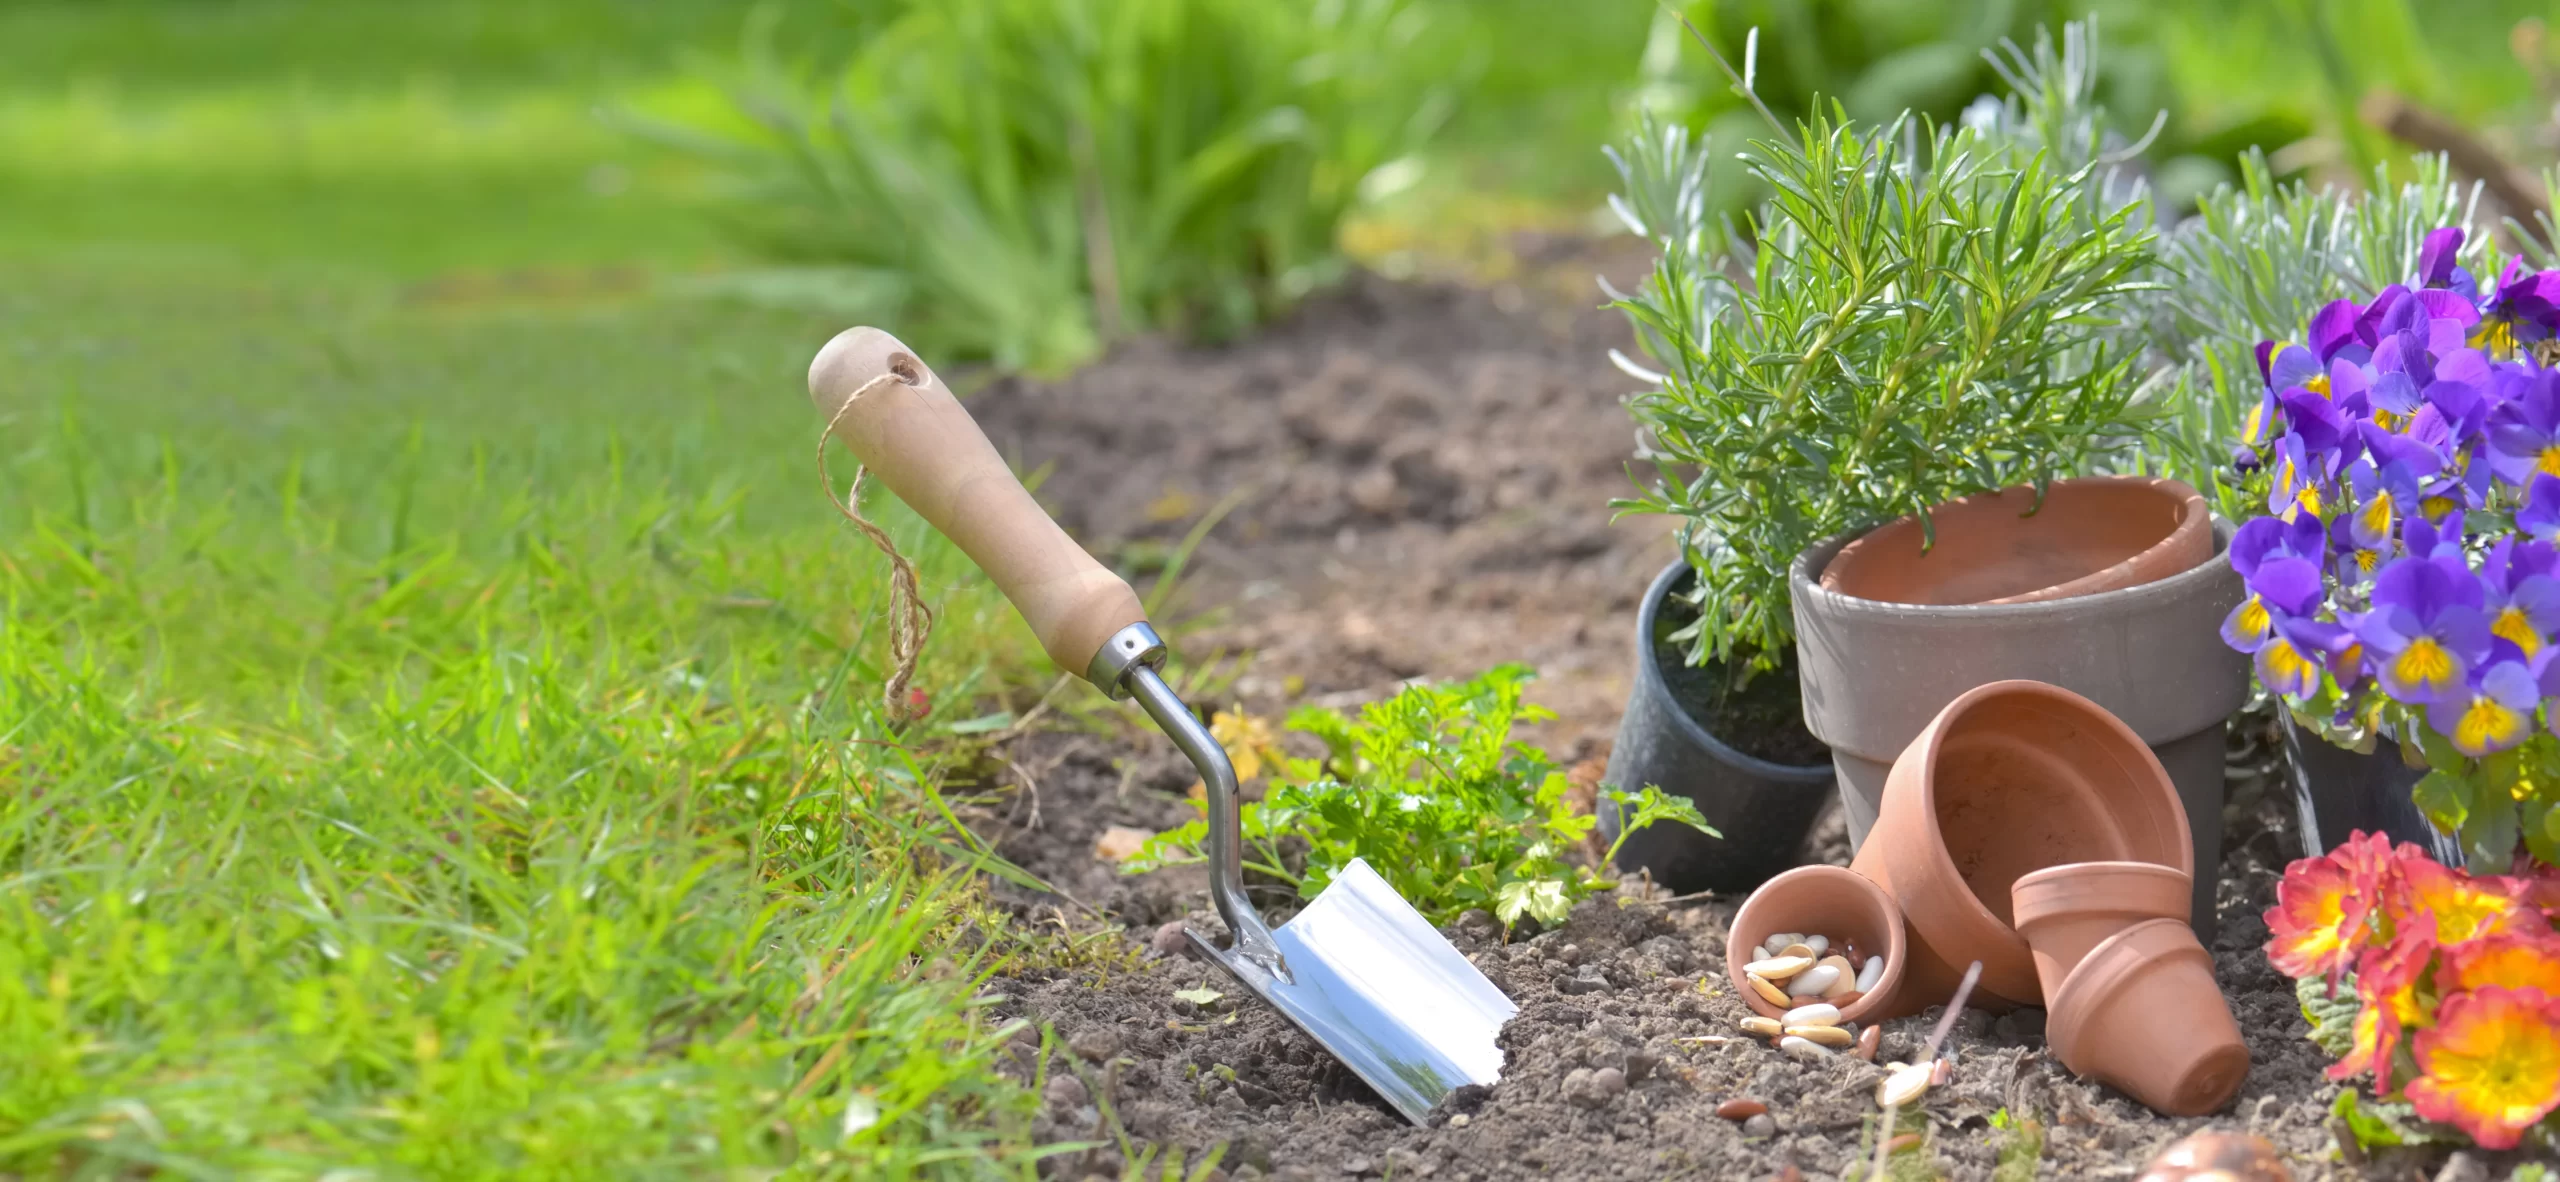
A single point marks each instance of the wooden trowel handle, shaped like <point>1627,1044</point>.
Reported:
<point>914,436</point>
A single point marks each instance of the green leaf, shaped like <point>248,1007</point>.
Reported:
<point>1202,996</point>
<point>2382,1124</point>
<point>2445,797</point>
<point>2332,1016</point>
<point>982,724</point>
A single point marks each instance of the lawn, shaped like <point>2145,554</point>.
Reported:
<point>436,701</point>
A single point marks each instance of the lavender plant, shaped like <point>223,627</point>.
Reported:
<point>2403,577</point>
<point>1920,312</point>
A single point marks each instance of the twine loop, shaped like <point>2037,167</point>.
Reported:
<point>910,621</point>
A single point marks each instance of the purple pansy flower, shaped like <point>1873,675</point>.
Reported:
<point>2426,629</point>
<point>2525,310</point>
<point>2269,552</point>
<point>2524,434</point>
<point>2521,595</point>
<point>2494,710</point>
<point>2539,515</point>
<point>2435,256</point>
<point>2333,334</point>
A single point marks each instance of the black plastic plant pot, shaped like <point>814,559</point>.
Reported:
<point>1763,809</point>
<point>2337,792</point>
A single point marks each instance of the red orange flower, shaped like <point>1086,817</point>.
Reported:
<point>2319,923</point>
<point>2387,979</point>
<point>2459,907</point>
<point>2491,1065</point>
<point>2521,959</point>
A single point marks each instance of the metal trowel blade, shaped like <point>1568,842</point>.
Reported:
<point>1373,983</point>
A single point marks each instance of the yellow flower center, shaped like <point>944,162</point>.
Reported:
<point>2497,336</point>
<point>2318,385</point>
<point>2436,507</point>
<point>2550,461</point>
<point>2365,560</point>
<point>2253,617</point>
<point>2488,725</point>
<point>2424,663</point>
<point>2308,500</point>
<point>2512,624</point>
<point>2376,515</point>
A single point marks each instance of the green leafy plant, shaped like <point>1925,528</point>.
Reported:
<point>1919,313</point>
<point>1432,790</point>
<point>1023,180</point>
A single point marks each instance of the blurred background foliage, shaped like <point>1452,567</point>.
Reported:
<point>979,168</point>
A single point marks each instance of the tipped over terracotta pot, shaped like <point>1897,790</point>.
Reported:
<point>2064,911</point>
<point>2090,534</point>
<point>1827,901</point>
<point>2010,778</point>
<point>2142,1012</point>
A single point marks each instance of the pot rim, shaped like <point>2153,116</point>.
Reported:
<point>1804,582</point>
<point>2028,895</point>
<point>1649,680</point>
<point>1896,953</point>
<point>2192,511</point>
<point>1971,915</point>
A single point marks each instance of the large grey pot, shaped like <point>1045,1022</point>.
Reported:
<point>1876,673</point>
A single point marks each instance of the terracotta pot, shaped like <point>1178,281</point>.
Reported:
<point>1833,902</point>
<point>1874,674</point>
<point>2142,1012</point>
<point>2064,911</point>
<point>2011,777</point>
<point>2091,534</point>
<point>1764,809</point>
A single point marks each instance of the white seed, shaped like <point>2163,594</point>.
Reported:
<point>1799,948</point>
<point>1768,992</point>
<point>1781,940</point>
<point>1904,1085</point>
<point>1870,975</point>
<point>1806,1048</point>
<point>1830,1036</point>
<point>1844,980</point>
<point>1819,944</point>
<point>1766,1027</point>
<point>1813,981</point>
<point>1817,1014</point>
<point>1778,968</point>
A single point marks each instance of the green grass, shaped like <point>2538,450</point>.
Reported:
<point>441,745</point>
<point>437,707</point>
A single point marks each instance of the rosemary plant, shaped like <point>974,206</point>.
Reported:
<point>1920,313</point>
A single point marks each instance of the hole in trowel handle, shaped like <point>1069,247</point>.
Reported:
<point>907,368</point>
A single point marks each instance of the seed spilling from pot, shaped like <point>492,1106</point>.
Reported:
<point>1904,1083</point>
<point>1779,968</point>
<point>1829,1036</point>
<point>1768,992</point>
<point>1802,1047</point>
<point>1817,1014</point>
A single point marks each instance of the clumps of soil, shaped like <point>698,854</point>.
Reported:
<point>1419,474</point>
<point>1625,1045</point>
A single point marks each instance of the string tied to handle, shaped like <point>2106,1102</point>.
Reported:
<point>910,621</point>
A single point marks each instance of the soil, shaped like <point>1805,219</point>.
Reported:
<point>1426,471</point>
<point>1764,719</point>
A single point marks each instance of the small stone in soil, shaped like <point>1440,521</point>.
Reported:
<point>1066,1092</point>
<point>1357,1165</point>
<point>1169,940</point>
<point>1760,1125</point>
<point>1586,1088</point>
<point>1641,1064</point>
<point>1093,1044</point>
<point>1740,1108</point>
<point>1570,954</point>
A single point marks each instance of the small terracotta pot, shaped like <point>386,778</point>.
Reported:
<point>2010,778</point>
<point>2142,1012</point>
<point>2064,911</point>
<point>1833,902</point>
<point>2091,534</point>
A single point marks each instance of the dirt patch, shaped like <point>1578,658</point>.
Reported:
<point>1634,987</point>
<point>1424,474</point>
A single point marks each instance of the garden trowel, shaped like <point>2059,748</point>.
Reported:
<point>1358,969</point>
